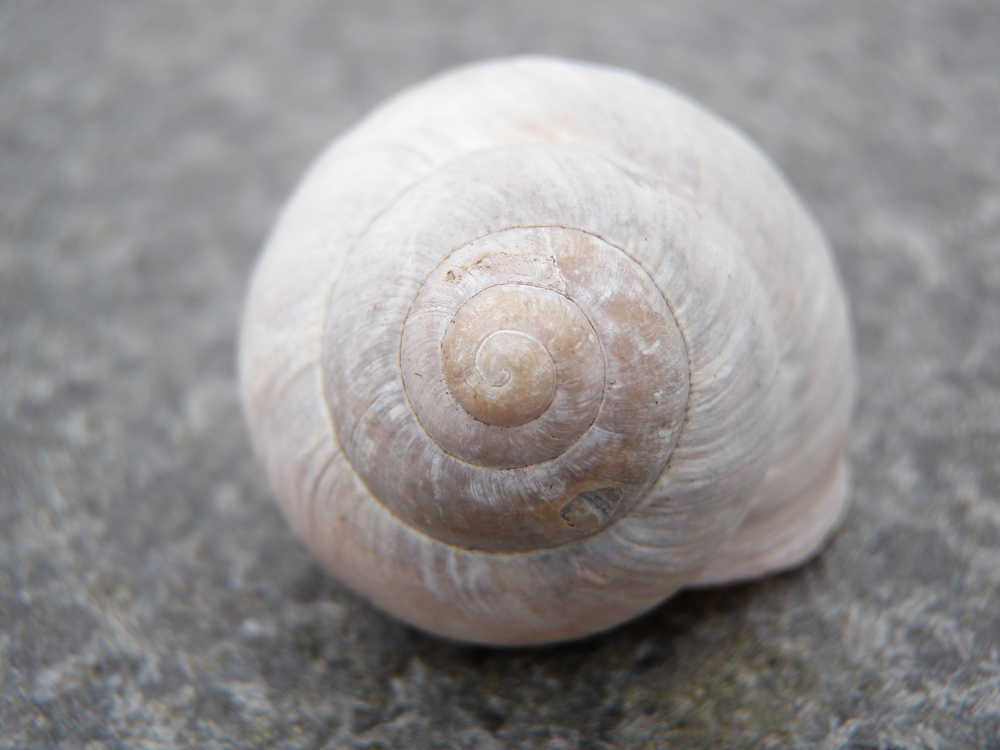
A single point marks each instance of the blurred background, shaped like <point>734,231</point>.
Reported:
<point>151,595</point>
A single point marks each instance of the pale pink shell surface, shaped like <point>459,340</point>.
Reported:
<point>539,343</point>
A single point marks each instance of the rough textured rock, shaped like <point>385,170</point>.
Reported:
<point>150,594</point>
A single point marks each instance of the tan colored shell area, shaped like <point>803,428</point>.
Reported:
<point>539,343</point>
<point>498,372</point>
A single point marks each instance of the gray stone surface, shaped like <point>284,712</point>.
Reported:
<point>150,594</point>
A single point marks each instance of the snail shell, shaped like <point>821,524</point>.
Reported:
<point>539,343</point>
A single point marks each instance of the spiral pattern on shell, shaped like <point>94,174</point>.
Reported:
<point>539,343</point>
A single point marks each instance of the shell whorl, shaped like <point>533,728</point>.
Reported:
<point>539,343</point>
<point>523,356</point>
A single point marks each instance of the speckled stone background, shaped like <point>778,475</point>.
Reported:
<point>151,596</point>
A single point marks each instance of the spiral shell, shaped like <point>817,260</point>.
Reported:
<point>539,343</point>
